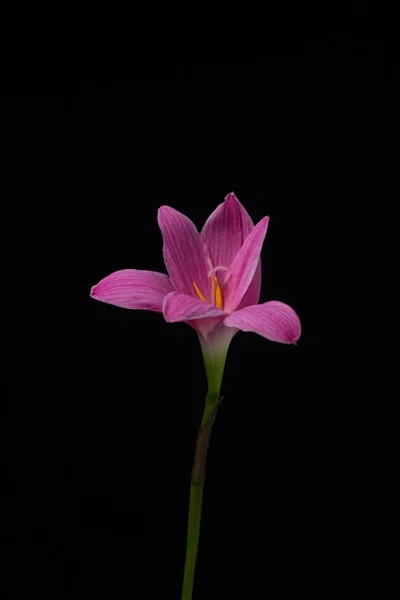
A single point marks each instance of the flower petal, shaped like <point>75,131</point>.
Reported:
<point>274,320</point>
<point>225,230</point>
<point>252,296</point>
<point>185,255</point>
<point>179,307</point>
<point>242,270</point>
<point>135,289</point>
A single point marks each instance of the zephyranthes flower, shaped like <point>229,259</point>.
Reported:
<point>213,284</point>
<point>214,279</point>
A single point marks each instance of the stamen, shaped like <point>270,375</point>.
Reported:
<point>200,295</point>
<point>218,294</point>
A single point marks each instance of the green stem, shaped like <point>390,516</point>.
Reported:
<point>196,499</point>
<point>214,354</point>
<point>196,491</point>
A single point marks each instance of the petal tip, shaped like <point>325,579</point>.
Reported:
<point>264,223</point>
<point>161,210</point>
<point>164,209</point>
<point>231,197</point>
<point>265,220</point>
<point>162,215</point>
<point>296,335</point>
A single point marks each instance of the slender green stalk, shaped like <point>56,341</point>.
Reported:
<point>196,492</point>
<point>196,499</point>
<point>214,362</point>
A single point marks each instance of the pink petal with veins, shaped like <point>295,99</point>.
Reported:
<point>131,288</point>
<point>225,230</point>
<point>185,255</point>
<point>273,320</point>
<point>243,268</point>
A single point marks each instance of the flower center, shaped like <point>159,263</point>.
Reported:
<point>216,291</point>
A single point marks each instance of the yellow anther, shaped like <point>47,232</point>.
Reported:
<point>218,294</point>
<point>200,295</point>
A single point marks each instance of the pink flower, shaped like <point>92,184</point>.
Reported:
<point>214,279</point>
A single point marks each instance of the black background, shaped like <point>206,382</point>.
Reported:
<point>104,403</point>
